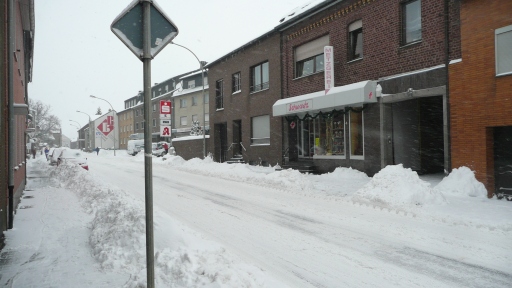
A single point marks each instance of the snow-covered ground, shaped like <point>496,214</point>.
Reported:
<point>235,225</point>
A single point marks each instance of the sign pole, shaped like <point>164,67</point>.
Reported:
<point>148,157</point>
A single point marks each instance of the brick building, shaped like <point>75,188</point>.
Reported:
<point>16,56</point>
<point>245,83</point>
<point>481,94</point>
<point>388,98</point>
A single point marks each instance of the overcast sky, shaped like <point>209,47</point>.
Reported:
<point>77,55</point>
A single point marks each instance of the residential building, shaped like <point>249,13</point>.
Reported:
<point>245,84</point>
<point>125,126</point>
<point>365,84</point>
<point>481,94</point>
<point>16,58</point>
<point>188,102</point>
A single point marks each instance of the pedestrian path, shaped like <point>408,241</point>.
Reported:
<point>48,245</point>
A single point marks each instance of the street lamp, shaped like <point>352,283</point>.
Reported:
<point>91,130</point>
<point>113,120</point>
<point>201,66</point>
<point>78,130</point>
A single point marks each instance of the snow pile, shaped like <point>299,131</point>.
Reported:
<point>118,236</point>
<point>291,180</point>
<point>398,187</point>
<point>462,182</point>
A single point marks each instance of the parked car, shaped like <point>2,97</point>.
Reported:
<point>134,146</point>
<point>73,156</point>
<point>53,155</point>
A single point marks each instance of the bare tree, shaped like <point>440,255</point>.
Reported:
<point>46,122</point>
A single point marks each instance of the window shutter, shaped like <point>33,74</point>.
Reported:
<point>312,48</point>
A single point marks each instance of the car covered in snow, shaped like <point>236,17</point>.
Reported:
<point>54,154</point>
<point>73,156</point>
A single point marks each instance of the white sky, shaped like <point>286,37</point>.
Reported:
<point>76,54</point>
<point>235,225</point>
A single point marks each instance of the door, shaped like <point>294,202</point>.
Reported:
<point>221,142</point>
<point>406,135</point>
<point>305,138</point>
<point>237,137</point>
<point>503,160</point>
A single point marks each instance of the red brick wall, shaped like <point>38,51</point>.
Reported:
<point>383,54</point>
<point>478,99</point>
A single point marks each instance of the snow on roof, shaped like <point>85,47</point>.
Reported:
<point>187,91</point>
<point>300,10</point>
<point>193,73</point>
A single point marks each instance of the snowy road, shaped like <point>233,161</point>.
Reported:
<point>318,241</point>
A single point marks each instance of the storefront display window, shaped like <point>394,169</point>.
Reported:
<point>330,137</point>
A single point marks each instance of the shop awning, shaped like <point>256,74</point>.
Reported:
<point>350,95</point>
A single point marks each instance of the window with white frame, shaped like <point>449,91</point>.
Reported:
<point>136,112</point>
<point>356,134</point>
<point>309,57</point>
<point>411,21</point>
<point>183,102</point>
<point>194,118</point>
<point>355,38</point>
<point>259,77</point>
<point>183,120</point>
<point>191,84</point>
<point>142,125</point>
<point>206,117</point>
<point>260,133</point>
<point>137,126</point>
<point>154,122</point>
<point>206,98</point>
<point>503,50</point>
<point>194,100</point>
<point>237,81</point>
<point>154,107</point>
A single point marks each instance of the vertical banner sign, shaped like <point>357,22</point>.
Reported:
<point>328,68</point>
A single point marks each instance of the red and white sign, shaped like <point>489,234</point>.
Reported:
<point>107,125</point>
<point>300,106</point>
<point>165,131</point>
<point>165,107</point>
<point>328,68</point>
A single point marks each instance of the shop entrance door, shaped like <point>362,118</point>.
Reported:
<point>503,160</point>
<point>306,138</point>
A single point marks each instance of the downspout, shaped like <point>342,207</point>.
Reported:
<point>11,128</point>
<point>447,145</point>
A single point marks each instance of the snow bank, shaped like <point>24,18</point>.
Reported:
<point>398,187</point>
<point>462,182</point>
<point>118,236</point>
<point>290,180</point>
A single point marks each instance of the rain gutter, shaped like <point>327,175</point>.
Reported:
<point>10,87</point>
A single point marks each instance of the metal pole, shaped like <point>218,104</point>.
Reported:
<point>148,157</point>
<point>11,124</point>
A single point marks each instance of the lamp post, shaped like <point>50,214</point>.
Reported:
<point>201,66</point>
<point>78,130</point>
<point>113,119</point>
<point>91,130</point>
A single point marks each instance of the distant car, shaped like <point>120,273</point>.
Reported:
<point>73,156</point>
<point>157,149</point>
<point>134,147</point>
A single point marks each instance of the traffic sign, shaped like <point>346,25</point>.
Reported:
<point>128,28</point>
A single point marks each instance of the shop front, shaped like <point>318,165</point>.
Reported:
<point>328,129</point>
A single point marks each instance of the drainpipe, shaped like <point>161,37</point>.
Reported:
<point>447,146</point>
<point>11,128</point>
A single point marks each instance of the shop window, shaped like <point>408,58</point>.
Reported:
<point>356,134</point>
<point>219,94</point>
<point>355,37</point>
<point>411,21</point>
<point>259,77</point>
<point>260,134</point>
<point>503,56</point>
<point>237,82</point>
<point>309,57</point>
<point>329,136</point>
